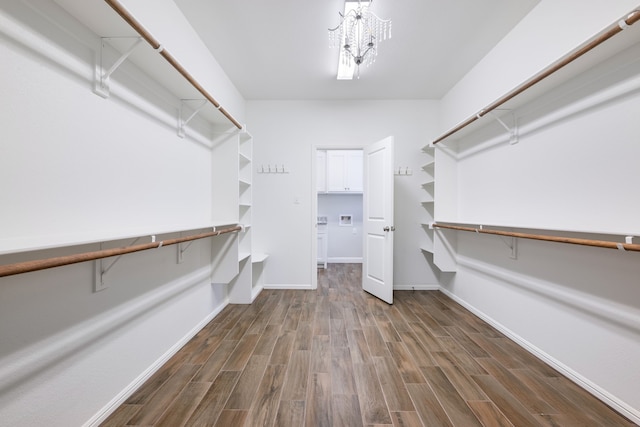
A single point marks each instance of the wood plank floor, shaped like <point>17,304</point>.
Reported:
<point>340,357</point>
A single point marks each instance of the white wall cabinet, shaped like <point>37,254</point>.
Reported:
<point>322,248</point>
<point>321,171</point>
<point>344,171</point>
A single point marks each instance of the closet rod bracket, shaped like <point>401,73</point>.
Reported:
<point>101,271</point>
<point>182,122</point>
<point>513,131</point>
<point>103,76</point>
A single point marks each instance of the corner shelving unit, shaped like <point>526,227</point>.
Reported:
<point>248,282</point>
<point>428,200</point>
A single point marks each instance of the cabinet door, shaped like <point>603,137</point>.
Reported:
<point>344,171</point>
<point>353,171</point>
<point>321,171</point>
<point>336,164</point>
<point>322,249</point>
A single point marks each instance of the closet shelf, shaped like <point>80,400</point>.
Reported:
<point>244,159</point>
<point>628,245</point>
<point>259,257</point>
<point>603,45</point>
<point>17,245</point>
<point>158,47</point>
<point>37,265</point>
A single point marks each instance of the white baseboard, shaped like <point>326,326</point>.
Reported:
<point>255,292</point>
<point>423,287</point>
<point>598,392</point>
<point>344,260</point>
<point>110,407</point>
<point>290,286</point>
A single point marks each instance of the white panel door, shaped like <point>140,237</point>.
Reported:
<point>377,267</point>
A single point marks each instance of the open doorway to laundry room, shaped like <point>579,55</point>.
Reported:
<point>338,220</point>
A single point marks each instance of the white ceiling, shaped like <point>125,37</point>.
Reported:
<point>279,49</point>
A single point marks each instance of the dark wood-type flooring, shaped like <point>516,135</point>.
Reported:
<point>339,357</point>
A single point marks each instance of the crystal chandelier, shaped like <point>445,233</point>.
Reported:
<point>358,35</point>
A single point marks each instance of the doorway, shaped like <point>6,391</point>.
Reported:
<point>337,212</point>
<point>374,180</point>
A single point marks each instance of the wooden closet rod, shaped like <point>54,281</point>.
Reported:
<point>571,240</point>
<point>124,13</point>
<point>598,39</point>
<point>28,266</point>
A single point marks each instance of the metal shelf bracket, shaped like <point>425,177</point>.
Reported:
<point>102,77</point>
<point>513,132</point>
<point>182,122</point>
<point>100,270</point>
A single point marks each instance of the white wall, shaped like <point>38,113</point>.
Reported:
<point>573,169</point>
<point>75,167</point>
<point>286,132</point>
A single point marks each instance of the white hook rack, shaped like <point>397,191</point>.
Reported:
<point>403,171</point>
<point>182,123</point>
<point>273,169</point>
<point>513,132</point>
<point>102,77</point>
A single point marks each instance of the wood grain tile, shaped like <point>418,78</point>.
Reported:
<point>488,414</point>
<point>211,405</point>
<point>404,362</point>
<point>295,386</point>
<point>505,401</point>
<point>265,405</point>
<point>393,387</point>
<point>406,419</point>
<point>319,400</point>
<point>372,404</point>
<point>165,395</point>
<point>427,405</point>
<point>342,381</point>
<point>229,418</point>
<point>377,346</point>
<point>243,393</point>
<point>453,403</point>
<point>282,349</point>
<point>338,356</point>
<point>290,413</point>
<point>345,411</point>
<point>183,406</point>
<point>241,353</point>
<point>320,354</point>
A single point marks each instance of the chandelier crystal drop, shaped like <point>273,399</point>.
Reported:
<point>358,34</point>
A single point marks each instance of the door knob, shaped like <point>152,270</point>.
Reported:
<point>387,228</point>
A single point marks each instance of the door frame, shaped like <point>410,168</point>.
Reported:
<point>314,201</point>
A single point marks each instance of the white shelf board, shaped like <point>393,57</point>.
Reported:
<point>259,257</point>
<point>607,49</point>
<point>51,241</point>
